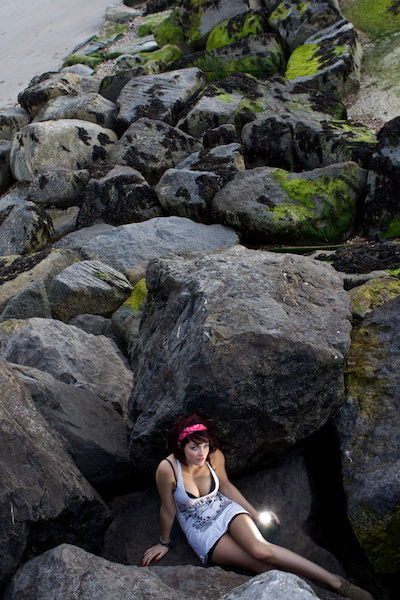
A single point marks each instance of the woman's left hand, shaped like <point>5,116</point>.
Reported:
<point>274,518</point>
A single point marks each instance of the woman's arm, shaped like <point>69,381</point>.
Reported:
<point>229,490</point>
<point>165,485</point>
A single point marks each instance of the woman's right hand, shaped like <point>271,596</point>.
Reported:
<point>155,553</point>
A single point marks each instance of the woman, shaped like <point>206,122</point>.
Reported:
<point>217,520</point>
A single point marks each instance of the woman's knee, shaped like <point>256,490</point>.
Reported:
<point>263,551</point>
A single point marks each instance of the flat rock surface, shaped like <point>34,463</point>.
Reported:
<point>129,248</point>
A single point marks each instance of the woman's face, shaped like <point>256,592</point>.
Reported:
<point>196,453</point>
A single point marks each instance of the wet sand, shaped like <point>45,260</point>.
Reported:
<point>36,36</point>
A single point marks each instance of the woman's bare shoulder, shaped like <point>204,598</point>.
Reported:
<point>167,466</point>
<point>217,457</point>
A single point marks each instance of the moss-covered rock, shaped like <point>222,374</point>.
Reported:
<point>156,61</point>
<point>295,21</point>
<point>328,61</point>
<point>150,22</point>
<point>260,56</point>
<point>368,427</point>
<point>273,206</point>
<point>170,30</point>
<point>237,28</point>
<point>375,17</point>
<point>373,294</point>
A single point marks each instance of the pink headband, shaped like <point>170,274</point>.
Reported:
<point>188,430</point>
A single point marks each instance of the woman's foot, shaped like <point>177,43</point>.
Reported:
<point>348,590</point>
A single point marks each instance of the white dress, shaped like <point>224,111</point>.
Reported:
<point>204,520</point>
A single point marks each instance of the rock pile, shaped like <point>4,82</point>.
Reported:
<point>129,296</point>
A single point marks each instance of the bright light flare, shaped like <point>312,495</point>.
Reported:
<point>266,518</point>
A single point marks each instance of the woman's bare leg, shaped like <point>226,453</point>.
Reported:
<point>245,532</point>
<point>229,553</point>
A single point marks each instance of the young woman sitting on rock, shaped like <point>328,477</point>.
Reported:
<point>219,523</point>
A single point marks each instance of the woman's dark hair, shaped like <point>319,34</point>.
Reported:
<point>197,437</point>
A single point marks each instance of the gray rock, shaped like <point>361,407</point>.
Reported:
<point>188,190</point>
<point>220,136</point>
<point>368,427</point>
<point>302,140</point>
<point>122,14</point>
<point>204,320</point>
<point>129,248</point>
<point>29,302</point>
<point>51,85</point>
<point>72,356</point>
<point>381,204</point>
<point>333,55</point>
<point>25,229</point>
<point>126,319</point>
<point>87,287</point>
<point>11,121</point>
<point>273,585</point>
<point>152,147</point>
<point>44,498</point>
<point>94,324</point>
<point>62,574</point>
<point>66,143</point>
<point>210,112</point>
<point>41,266</point>
<point>93,434</point>
<point>5,149</point>
<point>64,221</point>
<point>17,195</point>
<point>147,43</point>
<point>111,86</point>
<point>120,197</point>
<point>86,107</point>
<point>79,69</point>
<point>295,23</point>
<point>271,206</point>
<point>58,187</point>
<point>158,96</point>
<point>77,239</point>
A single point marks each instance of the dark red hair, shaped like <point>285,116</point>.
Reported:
<point>197,437</point>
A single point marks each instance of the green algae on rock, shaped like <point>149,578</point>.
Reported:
<point>328,61</point>
<point>273,206</point>
<point>373,294</point>
<point>150,22</point>
<point>375,17</point>
<point>368,431</point>
<point>261,56</point>
<point>237,28</point>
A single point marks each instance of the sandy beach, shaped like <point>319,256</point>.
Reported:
<point>36,36</point>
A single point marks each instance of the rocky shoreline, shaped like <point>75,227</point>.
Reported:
<point>189,221</point>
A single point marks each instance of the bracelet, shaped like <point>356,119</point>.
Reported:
<point>165,544</point>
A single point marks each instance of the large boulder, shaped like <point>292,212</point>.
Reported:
<point>50,85</point>
<point>66,143</point>
<point>188,189</point>
<point>24,229</point>
<point>44,499</point>
<point>329,60</point>
<point>86,107</point>
<point>23,271</point>
<point>31,301</point>
<point>301,139</point>
<point>111,85</point>
<point>87,287</point>
<point>70,355</point>
<point>381,204</point>
<point>121,196</point>
<point>77,239</point>
<point>368,427</point>
<point>297,21</point>
<point>273,206</point>
<point>93,434</point>
<point>201,318</point>
<point>58,187</point>
<point>151,147</point>
<point>244,25</point>
<point>158,96</point>
<point>129,248</point>
<point>260,56</point>
<point>62,574</point>
<point>11,121</point>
